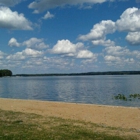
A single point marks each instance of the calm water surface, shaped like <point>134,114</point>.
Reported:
<point>77,89</point>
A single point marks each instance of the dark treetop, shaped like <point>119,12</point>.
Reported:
<point>5,72</point>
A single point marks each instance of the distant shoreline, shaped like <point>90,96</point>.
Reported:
<point>84,74</point>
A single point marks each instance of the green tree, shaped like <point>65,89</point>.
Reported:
<point>5,72</point>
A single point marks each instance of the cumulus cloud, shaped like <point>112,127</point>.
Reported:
<point>32,52</point>
<point>27,53</point>
<point>13,20</point>
<point>66,47</point>
<point>9,2</point>
<point>2,54</point>
<point>41,5</point>
<point>118,61</point>
<point>35,43</point>
<point>16,57</point>
<point>31,43</point>
<point>136,53</point>
<point>133,38</point>
<point>48,15</point>
<point>113,52</point>
<point>1,57</point>
<point>13,43</point>
<point>99,31</point>
<point>85,54</point>
<point>129,20</point>
<point>117,51</point>
<point>112,58</point>
<point>103,42</point>
<point>120,56</point>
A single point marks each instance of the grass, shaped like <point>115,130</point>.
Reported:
<point>22,126</point>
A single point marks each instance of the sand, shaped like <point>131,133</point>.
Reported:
<point>114,116</point>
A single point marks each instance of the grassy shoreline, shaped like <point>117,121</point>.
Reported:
<point>30,119</point>
<point>20,126</point>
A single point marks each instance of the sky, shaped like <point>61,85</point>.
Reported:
<point>69,36</point>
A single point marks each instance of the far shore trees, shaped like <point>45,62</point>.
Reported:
<point>5,72</point>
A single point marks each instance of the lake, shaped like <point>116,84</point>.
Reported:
<point>98,89</point>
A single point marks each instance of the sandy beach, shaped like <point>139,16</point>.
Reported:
<point>124,117</point>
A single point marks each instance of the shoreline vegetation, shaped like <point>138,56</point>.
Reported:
<point>28,119</point>
<point>6,72</point>
<point>85,73</point>
<point>125,98</point>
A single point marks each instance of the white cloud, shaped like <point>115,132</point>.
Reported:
<point>34,62</point>
<point>35,43</point>
<point>99,31</point>
<point>1,57</point>
<point>2,54</point>
<point>133,38</point>
<point>85,6</point>
<point>66,47</point>
<point>85,54</point>
<point>112,58</point>
<point>103,42</point>
<point>42,5</point>
<point>124,53</point>
<point>130,60</point>
<point>36,12</point>
<point>89,62</point>
<point>27,53</point>
<point>118,61</point>
<point>120,57</point>
<point>9,2</point>
<point>13,20</point>
<point>129,20</point>
<point>48,15</point>
<point>136,54</point>
<point>117,50</point>
<point>32,52</point>
<point>13,42</point>
<point>31,43</point>
<point>16,57</point>
<point>41,45</point>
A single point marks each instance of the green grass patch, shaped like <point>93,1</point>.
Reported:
<point>22,126</point>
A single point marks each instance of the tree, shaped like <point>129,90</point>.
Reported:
<point>5,72</point>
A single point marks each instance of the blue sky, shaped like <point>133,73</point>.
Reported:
<point>66,36</point>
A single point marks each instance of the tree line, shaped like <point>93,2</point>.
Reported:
<point>5,72</point>
<point>88,73</point>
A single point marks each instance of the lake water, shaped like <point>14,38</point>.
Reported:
<point>77,89</point>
